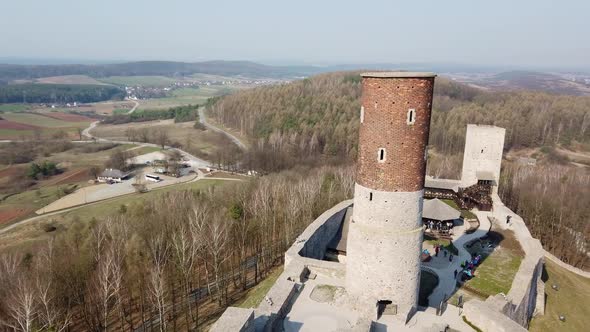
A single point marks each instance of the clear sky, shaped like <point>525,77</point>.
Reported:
<point>487,32</point>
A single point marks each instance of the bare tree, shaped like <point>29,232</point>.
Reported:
<point>215,240</point>
<point>157,282</point>
<point>162,137</point>
<point>186,245</point>
<point>21,306</point>
<point>51,315</point>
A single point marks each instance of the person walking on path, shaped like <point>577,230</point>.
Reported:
<point>451,257</point>
<point>436,249</point>
<point>455,273</point>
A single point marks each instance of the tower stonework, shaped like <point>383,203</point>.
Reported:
<point>385,235</point>
<point>484,147</point>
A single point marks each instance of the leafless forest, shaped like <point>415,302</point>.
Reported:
<point>173,264</point>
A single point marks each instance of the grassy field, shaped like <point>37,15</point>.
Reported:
<point>27,235</point>
<point>572,300</point>
<point>78,158</point>
<point>255,294</point>
<point>29,201</point>
<point>75,163</point>
<point>498,268</point>
<point>204,142</point>
<point>48,126</point>
<point>14,107</point>
<point>185,96</point>
<point>153,81</point>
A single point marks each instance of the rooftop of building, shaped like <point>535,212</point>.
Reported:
<point>436,209</point>
<point>398,74</point>
<point>113,173</point>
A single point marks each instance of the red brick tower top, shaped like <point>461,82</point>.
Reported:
<point>393,135</point>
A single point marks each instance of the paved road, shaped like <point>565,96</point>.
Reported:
<point>234,139</point>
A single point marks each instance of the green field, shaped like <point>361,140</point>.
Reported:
<point>47,126</point>
<point>497,270</point>
<point>185,96</point>
<point>572,299</point>
<point>154,81</point>
<point>14,107</point>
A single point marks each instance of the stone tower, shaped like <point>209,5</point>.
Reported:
<point>385,235</point>
<point>482,159</point>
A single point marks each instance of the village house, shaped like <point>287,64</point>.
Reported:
<point>114,175</point>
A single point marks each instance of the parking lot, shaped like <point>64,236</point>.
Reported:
<point>98,192</point>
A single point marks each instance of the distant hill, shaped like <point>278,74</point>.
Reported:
<point>530,80</point>
<point>320,114</point>
<point>10,72</point>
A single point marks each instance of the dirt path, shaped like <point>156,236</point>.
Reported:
<point>203,121</point>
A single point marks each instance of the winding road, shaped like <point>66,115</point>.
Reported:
<point>203,121</point>
<point>195,162</point>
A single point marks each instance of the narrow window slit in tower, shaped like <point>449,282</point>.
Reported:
<point>381,155</point>
<point>362,114</point>
<point>370,196</point>
<point>411,116</point>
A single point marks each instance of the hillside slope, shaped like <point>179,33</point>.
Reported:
<point>316,121</point>
<point>320,113</point>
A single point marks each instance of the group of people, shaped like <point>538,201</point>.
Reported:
<point>444,227</point>
<point>438,248</point>
<point>468,267</point>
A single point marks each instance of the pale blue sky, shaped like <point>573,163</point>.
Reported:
<point>498,32</point>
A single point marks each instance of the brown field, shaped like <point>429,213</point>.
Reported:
<point>10,171</point>
<point>68,117</point>
<point>9,214</point>
<point>70,176</point>
<point>5,124</point>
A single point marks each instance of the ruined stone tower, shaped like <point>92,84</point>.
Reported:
<point>385,236</point>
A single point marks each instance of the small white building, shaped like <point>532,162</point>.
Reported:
<point>114,175</point>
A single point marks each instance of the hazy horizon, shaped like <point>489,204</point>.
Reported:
<point>523,35</point>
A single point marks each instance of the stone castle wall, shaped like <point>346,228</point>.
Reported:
<point>526,296</point>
